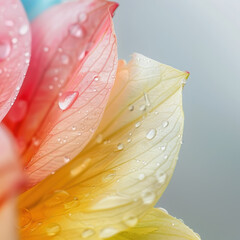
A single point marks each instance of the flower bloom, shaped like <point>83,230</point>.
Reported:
<point>98,138</point>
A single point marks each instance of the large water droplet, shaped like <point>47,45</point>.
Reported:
<point>148,196</point>
<point>5,50</point>
<point>76,30</point>
<point>88,233</point>
<point>138,124</point>
<point>151,134</point>
<point>130,220</point>
<point>67,99</point>
<point>53,229</point>
<point>23,29</point>
<point>107,232</point>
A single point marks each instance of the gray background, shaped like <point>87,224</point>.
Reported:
<point>202,37</point>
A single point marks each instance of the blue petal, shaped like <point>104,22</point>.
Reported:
<point>35,7</point>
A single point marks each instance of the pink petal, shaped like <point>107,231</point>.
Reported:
<point>14,51</point>
<point>72,70</point>
<point>10,173</point>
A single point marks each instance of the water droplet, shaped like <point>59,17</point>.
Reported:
<point>66,159</point>
<point>131,108</point>
<point>142,108</point>
<point>109,176</point>
<point>74,128</point>
<point>57,197</point>
<point>138,124</point>
<point>120,147</point>
<point>88,233</point>
<point>141,176</point>
<point>78,169</point>
<point>5,50</point>
<point>14,40</point>
<point>151,134</point>
<point>163,148</point>
<point>161,176</point>
<point>72,204</point>
<point>96,78</point>
<point>165,156</point>
<point>65,59</point>
<point>148,196</point>
<point>9,23</point>
<point>35,141</point>
<point>67,100</point>
<point>25,217</point>
<point>82,17</point>
<point>53,229</point>
<point>76,30</point>
<point>130,220</point>
<point>146,98</point>
<point>99,138</point>
<point>23,29</point>
<point>45,49</point>
<point>165,124</point>
<point>107,232</point>
<point>164,210</point>
<point>50,87</point>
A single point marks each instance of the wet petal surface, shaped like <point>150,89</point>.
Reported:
<point>15,47</point>
<point>124,170</point>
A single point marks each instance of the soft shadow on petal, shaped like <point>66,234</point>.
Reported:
<point>158,225</point>
<point>72,71</point>
<point>10,177</point>
<point>124,170</point>
<point>34,8</point>
<point>15,46</point>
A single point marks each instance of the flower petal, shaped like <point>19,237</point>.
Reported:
<point>34,8</point>
<point>126,167</point>
<point>15,44</point>
<point>66,89</point>
<point>10,177</point>
<point>158,225</point>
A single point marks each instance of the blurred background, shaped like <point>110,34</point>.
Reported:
<point>202,37</point>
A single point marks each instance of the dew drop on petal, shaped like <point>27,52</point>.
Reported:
<point>107,232</point>
<point>76,30</point>
<point>23,29</point>
<point>5,50</point>
<point>130,220</point>
<point>120,147</point>
<point>141,176</point>
<point>161,176</point>
<point>151,134</point>
<point>148,196</point>
<point>67,100</point>
<point>53,229</point>
<point>165,124</point>
<point>87,233</point>
<point>131,108</point>
<point>66,159</point>
<point>138,124</point>
<point>65,59</point>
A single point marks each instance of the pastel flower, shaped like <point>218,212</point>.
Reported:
<point>98,139</point>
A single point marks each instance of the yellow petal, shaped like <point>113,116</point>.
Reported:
<point>125,168</point>
<point>158,225</point>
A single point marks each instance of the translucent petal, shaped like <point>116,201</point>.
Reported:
<point>15,47</point>
<point>72,70</point>
<point>158,225</point>
<point>126,167</point>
